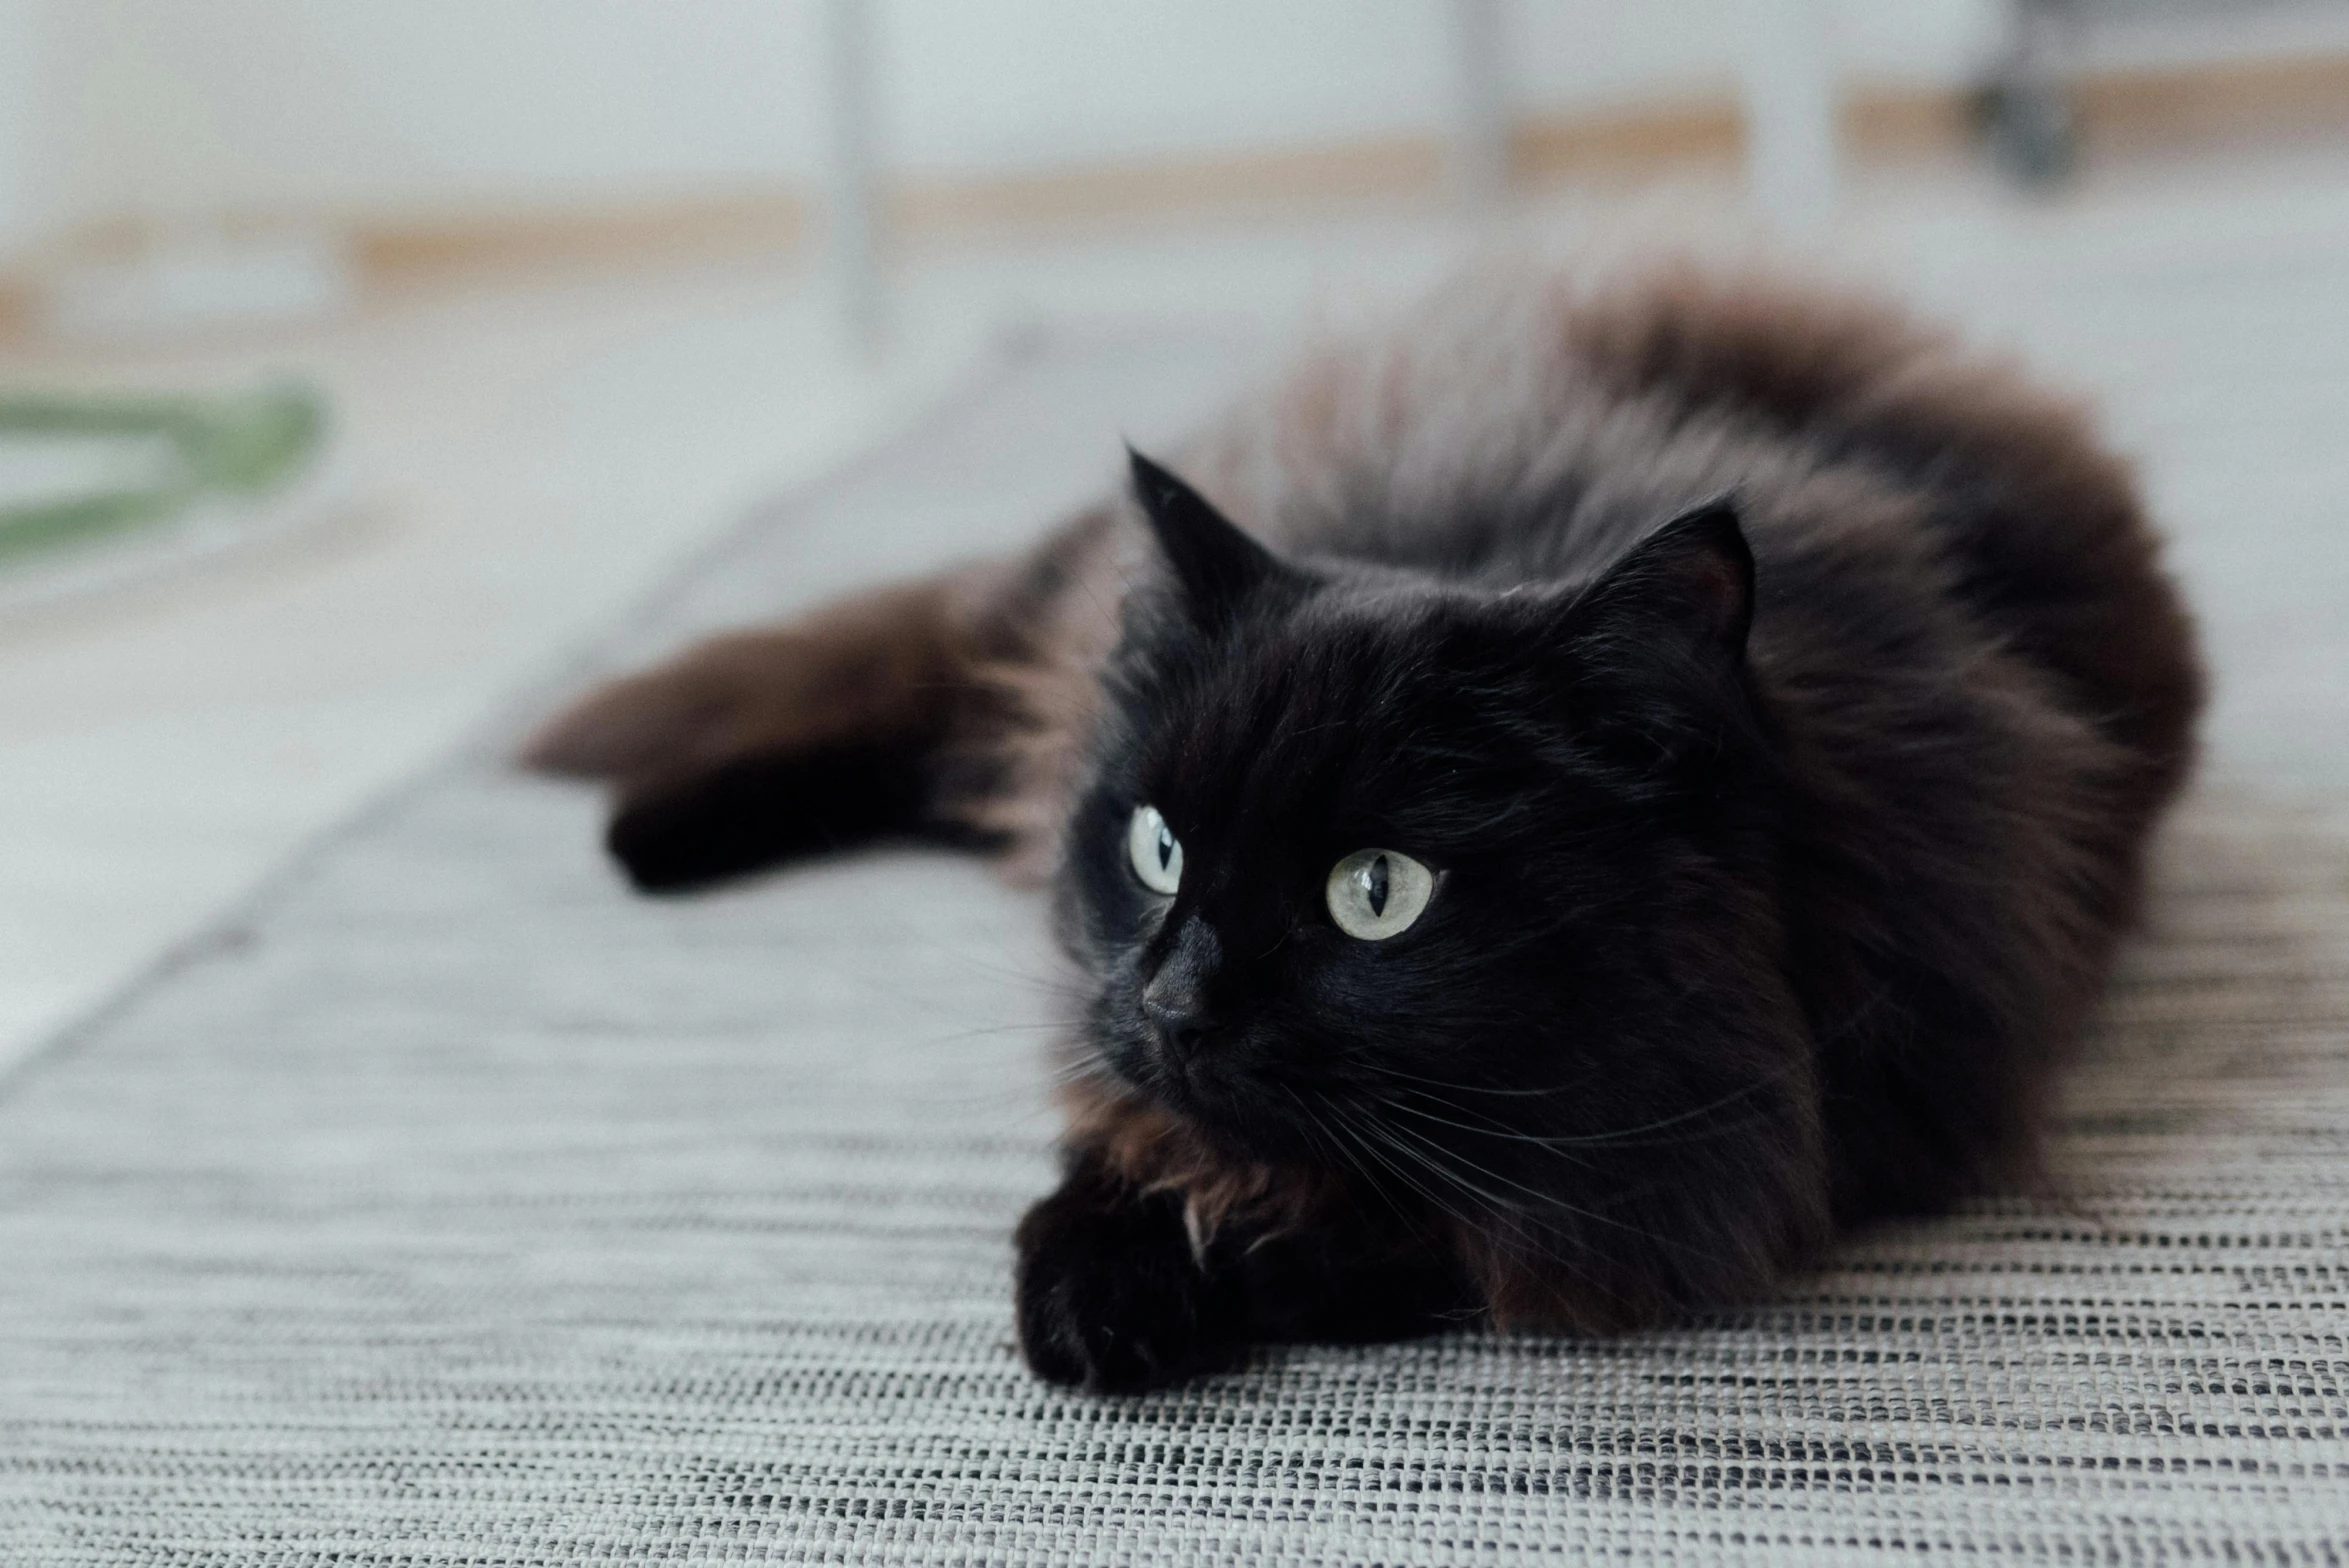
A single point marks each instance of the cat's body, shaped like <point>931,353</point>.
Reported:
<point>1767,887</point>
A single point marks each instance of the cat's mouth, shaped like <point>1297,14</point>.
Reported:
<point>1191,1086</point>
<point>1240,1110</point>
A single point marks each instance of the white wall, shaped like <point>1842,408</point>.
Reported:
<point>184,106</point>
<point>1575,54</point>
<point>394,104</point>
<point>989,86</point>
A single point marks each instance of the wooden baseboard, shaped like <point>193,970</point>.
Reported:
<point>2143,109</point>
<point>2180,107</point>
<point>1634,143</point>
<point>1385,167</point>
<point>398,247</point>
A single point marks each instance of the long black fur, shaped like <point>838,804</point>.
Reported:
<point>1781,698</point>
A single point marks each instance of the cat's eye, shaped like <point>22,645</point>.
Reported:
<point>1377,893</point>
<point>1156,853</point>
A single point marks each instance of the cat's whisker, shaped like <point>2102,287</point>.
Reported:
<point>1079,1069</point>
<point>1488,1130</point>
<point>1434,1199</point>
<point>1336,1145</point>
<point>1618,1137</point>
<point>1381,1136</point>
<point>1543,1199</point>
<point>1378,1149</point>
<point>984,1032</point>
<point>1399,1075</point>
<point>1351,1147</point>
<point>1498,1212</point>
<point>1060,989</point>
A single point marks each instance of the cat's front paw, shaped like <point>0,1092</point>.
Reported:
<point>1110,1298</point>
<point>754,812</point>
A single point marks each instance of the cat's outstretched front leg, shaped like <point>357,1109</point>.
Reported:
<point>1117,1293</point>
<point>764,745</point>
<point>948,708</point>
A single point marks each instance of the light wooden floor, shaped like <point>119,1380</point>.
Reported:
<point>520,459</point>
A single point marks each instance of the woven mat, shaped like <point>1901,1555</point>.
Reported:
<point>446,1205</point>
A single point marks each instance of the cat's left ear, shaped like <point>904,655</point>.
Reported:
<point>1694,575</point>
<point>1217,564</point>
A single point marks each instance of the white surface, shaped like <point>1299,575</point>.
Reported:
<point>521,465</point>
<point>51,468</point>
<point>200,282</point>
<point>197,538</point>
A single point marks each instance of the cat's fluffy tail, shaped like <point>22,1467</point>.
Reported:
<point>944,709</point>
<point>764,746</point>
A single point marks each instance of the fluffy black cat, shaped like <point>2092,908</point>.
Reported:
<point>1557,812</point>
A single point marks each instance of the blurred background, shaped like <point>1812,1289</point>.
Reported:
<point>357,358</point>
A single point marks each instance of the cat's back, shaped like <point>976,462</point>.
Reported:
<point>1527,428</point>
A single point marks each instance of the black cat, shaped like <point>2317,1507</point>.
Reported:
<point>1609,789</point>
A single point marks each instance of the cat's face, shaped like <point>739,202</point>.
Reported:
<point>1459,894</point>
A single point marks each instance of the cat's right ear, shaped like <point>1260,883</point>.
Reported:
<point>1655,648</point>
<point>1217,564</point>
<point>1691,581</point>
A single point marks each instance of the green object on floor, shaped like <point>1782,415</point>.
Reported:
<point>79,469</point>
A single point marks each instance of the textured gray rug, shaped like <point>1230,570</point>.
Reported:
<point>449,1206</point>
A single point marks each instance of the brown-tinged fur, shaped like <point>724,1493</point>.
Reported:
<point>979,681</point>
<point>878,666</point>
<point>1151,1150</point>
<point>1977,686</point>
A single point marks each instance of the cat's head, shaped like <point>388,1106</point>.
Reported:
<point>1463,897</point>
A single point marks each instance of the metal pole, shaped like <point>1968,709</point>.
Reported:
<point>1790,112</point>
<point>1480,126</point>
<point>852,221</point>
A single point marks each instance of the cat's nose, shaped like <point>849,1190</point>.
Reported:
<point>1172,1002</point>
<point>1179,1023</point>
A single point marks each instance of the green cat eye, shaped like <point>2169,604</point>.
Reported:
<point>1156,853</point>
<point>1377,893</point>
